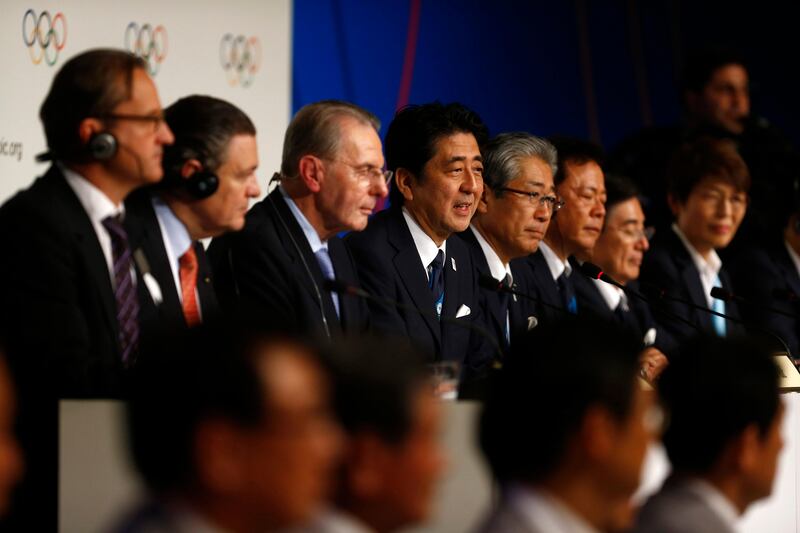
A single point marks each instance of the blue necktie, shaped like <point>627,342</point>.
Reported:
<point>436,281</point>
<point>567,293</point>
<point>326,265</point>
<point>719,306</point>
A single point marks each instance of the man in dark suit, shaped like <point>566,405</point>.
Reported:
<point>573,230</point>
<point>69,307</point>
<point>406,254</point>
<point>708,196</point>
<point>723,439</point>
<point>209,177</point>
<point>565,433</point>
<point>512,217</point>
<point>619,252</point>
<point>331,178</point>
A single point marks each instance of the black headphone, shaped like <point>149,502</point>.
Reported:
<point>102,146</point>
<point>201,184</point>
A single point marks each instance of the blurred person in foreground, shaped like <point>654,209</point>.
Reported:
<point>384,399</point>
<point>565,431</point>
<point>230,429</point>
<point>723,439</point>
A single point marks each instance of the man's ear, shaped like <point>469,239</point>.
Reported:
<point>483,204</point>
<point>311,172</point>
<point>190,166</point>
<point>217,448</point>
<point>598,433</point>
<point>747,446</point>
<point>674,204</point>
<point>404,181</point>
<point>87,128</point>
<point>366,461</point>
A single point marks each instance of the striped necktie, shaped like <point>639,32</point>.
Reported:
<point>124,291</point>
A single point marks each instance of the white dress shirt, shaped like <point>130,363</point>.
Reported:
<point>708,268</point>
<point>311,234</point>
<point>544,512</point>
<point>177,242</point>
<point>612,295</point>
<point>426,248</point>
<point>98,207</point>
<point>556,265</point>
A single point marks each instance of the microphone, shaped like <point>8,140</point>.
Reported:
<point>725,295</point>
<point>488,282</point>
<point>342,287</point>
<point>595,272</point>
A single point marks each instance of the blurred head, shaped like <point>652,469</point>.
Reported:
<point>708,183</point>
<point>623,242</point>
<point>716,89</point>
<point>385,402</point>
<point>593,408</point>
<point>212,137</point>
<point>332,151</point>
<point>434,151</point>
<point>730,425</point>
<point>11,466</point>
<point>580,183</point>
<point>235,423</point>
<point>519,196</point>
<point>107,91</point>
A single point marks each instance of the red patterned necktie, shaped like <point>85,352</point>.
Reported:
<point>188,275</point>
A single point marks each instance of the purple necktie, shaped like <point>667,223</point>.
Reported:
<point>124,291</point>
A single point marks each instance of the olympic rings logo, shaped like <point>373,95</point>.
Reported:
<point>44,35</point>
<point>148,43</point>
<point>240,58</point>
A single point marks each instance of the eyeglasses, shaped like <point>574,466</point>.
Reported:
<point>366,173</point>
<point>155,120</point>
<point>636,234</point>
<point>553,203</point>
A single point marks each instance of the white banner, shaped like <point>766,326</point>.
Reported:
<point>238,50</point>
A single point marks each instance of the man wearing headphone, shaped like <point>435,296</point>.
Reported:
<point>209,178</point>
<point>68,304</point>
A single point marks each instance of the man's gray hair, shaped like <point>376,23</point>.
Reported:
<point>315,130</point>
<point>503,155</point>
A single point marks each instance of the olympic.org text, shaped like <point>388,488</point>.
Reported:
<point>11,149</point>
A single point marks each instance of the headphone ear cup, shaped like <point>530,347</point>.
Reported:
<point>202,184</point>
<point>102,146</point>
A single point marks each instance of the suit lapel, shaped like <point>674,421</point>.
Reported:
<point>295,243</point>
<point>91,252</point>
<point>205,287</point>
<point>691,278</point>
<point>412,273</point>
<point>493,308</point>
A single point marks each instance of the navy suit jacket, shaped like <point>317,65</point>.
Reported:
<point>390,267</point>
<point>756,276</point>
<point>668,266</point>
<point>144,233</point>
<point>520,311</point>
<point>638,319</point>
<point>541,285</point>
<point>269,267</point>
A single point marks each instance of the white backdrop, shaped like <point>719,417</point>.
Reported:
<point>190,44</point>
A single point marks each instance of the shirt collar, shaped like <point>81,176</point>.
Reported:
<point>715,500</point>
<point>336,521</point>
<point>544,512</point>
<point>712,265</point>
<point>94,201</point>
<point>426,248</point>
<point>308,230</point>
<point>178,236</point>
<point>556,265</point>
<point>497,268</point>
<point>611,294</point>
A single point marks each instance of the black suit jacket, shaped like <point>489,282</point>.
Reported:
<point>144,234</point>
<point>58,306</point>
<point>669,266</point>
<point>638,319</point>
<point>542,286</point>
<point>269,267</point>
<point>390,267</point>
<point>756,276</point>
<point>521,313</point>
